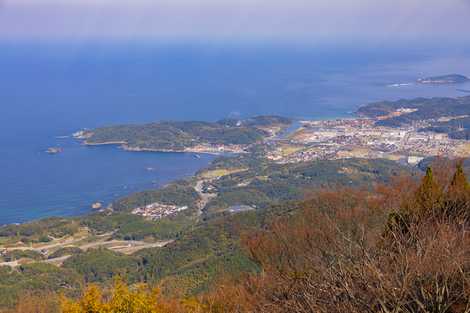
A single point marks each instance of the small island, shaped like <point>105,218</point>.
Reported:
<point>444,79</point>
<point>97,206</point>
<point>54,150</point>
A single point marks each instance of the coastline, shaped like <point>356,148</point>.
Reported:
<point>124,146</point>
<point>181,165</point>
<point>107,143</point>
<point>355,136</point>
<point>196,152</point>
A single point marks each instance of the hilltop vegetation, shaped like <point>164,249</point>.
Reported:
<point>409,236</point>
<point>265,184</point>
<point>400,247</point>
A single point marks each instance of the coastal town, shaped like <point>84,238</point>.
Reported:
<point>156,211</point>
<point>333,139</point>
<point>361,138</point>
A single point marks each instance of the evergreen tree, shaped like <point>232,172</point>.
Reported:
<point>459,181</point>
<point>458,195</point>
<point>429,194</point>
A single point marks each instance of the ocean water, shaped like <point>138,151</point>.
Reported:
<point>48,91</point>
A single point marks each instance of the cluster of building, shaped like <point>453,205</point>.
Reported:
<point>156,211</point>
<point>216,148</point>
<point>361,138</point>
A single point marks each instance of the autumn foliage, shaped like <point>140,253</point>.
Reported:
<point>403,248</point>
<point>123,299</point>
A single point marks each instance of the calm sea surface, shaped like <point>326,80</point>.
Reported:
<point>50,91</point>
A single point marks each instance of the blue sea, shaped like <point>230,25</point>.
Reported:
<point>50,90</point>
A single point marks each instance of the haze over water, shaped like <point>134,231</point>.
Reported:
<point>52,90</point>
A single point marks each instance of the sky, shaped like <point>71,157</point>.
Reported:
<point>304,20</point>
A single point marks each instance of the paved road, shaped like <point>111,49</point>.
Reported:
<point>122,246</point>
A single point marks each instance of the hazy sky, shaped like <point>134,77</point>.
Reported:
<point>234,19</point>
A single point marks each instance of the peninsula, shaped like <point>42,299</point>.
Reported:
<point>224,136</point>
